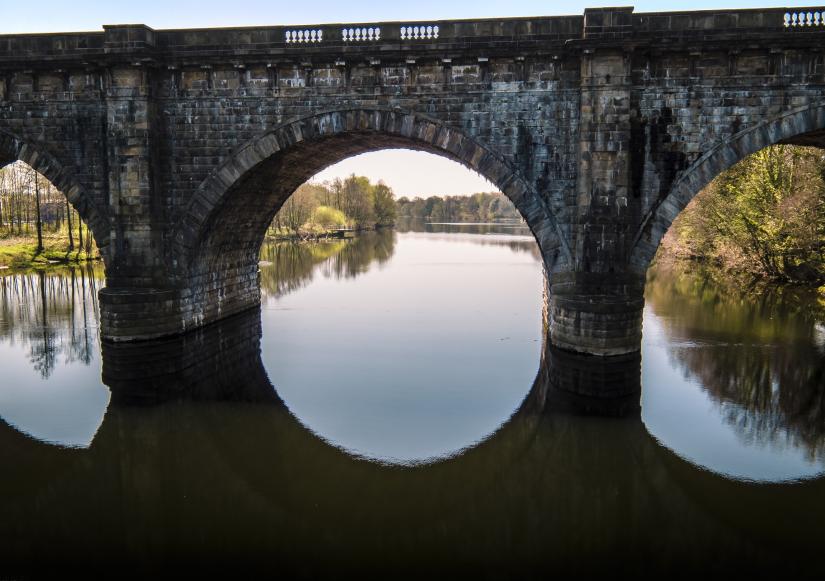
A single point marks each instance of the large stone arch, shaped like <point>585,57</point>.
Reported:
<point>801,126</point>
<point>322,139</point>
<point>14,149</point>
<point>217,238</point>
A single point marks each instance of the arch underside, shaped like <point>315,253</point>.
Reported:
<point>238,225</point>
<point>13,149</point>
<point>265,171</point>
<point>804,127</point>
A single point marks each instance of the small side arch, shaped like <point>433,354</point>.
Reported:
<point>801,126</point>
<point>14,149</point>
<point>271,166</point>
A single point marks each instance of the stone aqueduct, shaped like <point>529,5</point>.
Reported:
<point>178,146</point>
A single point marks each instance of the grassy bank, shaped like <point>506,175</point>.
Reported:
<point>20,252</point>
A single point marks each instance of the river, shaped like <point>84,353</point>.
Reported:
<point>393,409</point>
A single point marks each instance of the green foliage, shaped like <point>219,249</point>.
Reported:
<point>765,216</point>
<point>21,253</point>
<point>327,218</point>
<point>384,205</point>
<point>317,209</point>
<point>38,226</point>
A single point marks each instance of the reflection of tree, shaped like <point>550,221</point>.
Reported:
<point>515,236</point>
<point>53,314</point>
<point>42,351</point>
<point>356,258</point>
<point>754,353</point>
<point>288,266</point>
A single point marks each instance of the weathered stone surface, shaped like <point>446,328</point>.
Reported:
<point>178,146</point>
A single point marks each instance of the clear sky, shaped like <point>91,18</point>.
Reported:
<point>65,15</point>
<point>408,173</point>
<point>411,173</point>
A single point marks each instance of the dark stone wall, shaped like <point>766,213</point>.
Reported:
<point>179,145</point>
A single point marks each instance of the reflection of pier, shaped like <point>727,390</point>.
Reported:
<point>217,476</point>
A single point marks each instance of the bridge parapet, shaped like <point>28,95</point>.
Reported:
<point>597,24</point>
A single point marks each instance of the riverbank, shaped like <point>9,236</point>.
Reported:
<point>19,253</point>
<point>316,235</point>
<point>737,283</point>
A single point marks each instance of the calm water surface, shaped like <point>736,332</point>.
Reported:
<point>393,404</point>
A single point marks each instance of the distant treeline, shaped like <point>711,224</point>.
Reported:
<point>764,217</point>
<point>318,208</point>
<point>481,207</point>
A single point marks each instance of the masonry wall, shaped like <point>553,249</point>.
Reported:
<point>607,125</point>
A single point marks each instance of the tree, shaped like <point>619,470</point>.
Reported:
<point>328,218</point>
<point>297,209</point>
<point>764,216</point>
<point>357,201</point>
<point>37,211</point>
<point>384,208</point>
<point>69,225</point>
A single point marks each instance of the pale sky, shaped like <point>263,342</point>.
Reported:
<point>67,15</point>
<point>406,172</point>
<point>411,173</point>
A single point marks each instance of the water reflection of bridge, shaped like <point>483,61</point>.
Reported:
<point>200,465</point>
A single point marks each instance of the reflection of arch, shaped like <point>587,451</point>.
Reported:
<point>802,126</point>
<point>245,469</point>
<point>222,362</point>
<point>232,207</point>
<point>13,149</point>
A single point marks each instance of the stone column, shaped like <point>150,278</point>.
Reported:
<point>140,300</point>
<point>594,314</point>
<point>595,304</point>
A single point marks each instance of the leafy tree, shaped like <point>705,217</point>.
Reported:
<point>480,207</point>
<point>764,216</point>
<point>357,201</point>
<point>317,208</point>
<point>328,218</point>
<point>384,208</point>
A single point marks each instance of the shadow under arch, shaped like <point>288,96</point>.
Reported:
<point>14,149</point>
<point>801,126</point>
<point>170,483</point>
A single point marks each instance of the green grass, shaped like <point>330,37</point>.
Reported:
<point>20,253</point>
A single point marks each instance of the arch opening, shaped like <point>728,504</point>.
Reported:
<point>801,127</point>
<point>219,237</point>
<point>50,271</point>
<point>733,379</point>
<point>39,225</point>
<point>61,178</point>
<point>387,367</point>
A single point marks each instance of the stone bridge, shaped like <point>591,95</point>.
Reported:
<point>178,146</point>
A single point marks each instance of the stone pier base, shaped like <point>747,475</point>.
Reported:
<point>595,314</point>
<point>144,314</point>
<point>136,314</point>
